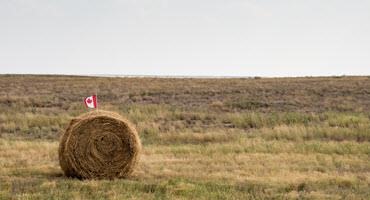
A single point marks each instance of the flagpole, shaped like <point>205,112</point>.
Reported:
<point>96,93</point>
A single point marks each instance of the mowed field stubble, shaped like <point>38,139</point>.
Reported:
<point>251,138</point>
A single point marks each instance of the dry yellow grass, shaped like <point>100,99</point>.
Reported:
<point>314,174</point>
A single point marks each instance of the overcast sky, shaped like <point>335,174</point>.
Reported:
<point>186,37</point>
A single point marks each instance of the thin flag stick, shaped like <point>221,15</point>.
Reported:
<point>96,94</point>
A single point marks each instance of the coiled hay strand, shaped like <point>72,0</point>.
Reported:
<point>99,145</point>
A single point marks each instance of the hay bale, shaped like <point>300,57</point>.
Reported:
<point>99,144</point>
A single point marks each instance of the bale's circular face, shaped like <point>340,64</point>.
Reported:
<point>99,144</point>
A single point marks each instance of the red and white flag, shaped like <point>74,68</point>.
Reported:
<point>91,102</point>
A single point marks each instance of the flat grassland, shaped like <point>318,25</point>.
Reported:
<point>251,138</point>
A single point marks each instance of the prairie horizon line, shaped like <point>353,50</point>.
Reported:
<point>178,76</point>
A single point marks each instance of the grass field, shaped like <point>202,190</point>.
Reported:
<point>256,138</point>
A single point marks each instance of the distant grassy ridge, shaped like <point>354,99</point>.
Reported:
<point>270,94</point>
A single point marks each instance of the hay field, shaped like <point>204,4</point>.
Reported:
<point>259,138</point>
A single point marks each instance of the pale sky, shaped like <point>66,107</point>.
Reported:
<point>186,37</point>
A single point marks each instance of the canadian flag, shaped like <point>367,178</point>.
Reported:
<point>91,102</point>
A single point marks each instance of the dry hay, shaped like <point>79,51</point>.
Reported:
<point>99,144</point>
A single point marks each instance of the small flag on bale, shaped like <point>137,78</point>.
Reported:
<point>91,101</point>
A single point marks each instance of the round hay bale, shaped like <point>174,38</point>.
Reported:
<point>99,144</point>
